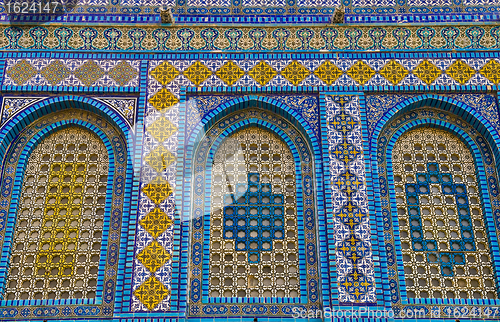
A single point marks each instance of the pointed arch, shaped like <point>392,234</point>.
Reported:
<point>303,160</point>
<point>22,134</point>
<point>474,135</point>
<point>194,133</point>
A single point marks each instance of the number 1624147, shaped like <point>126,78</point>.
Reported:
<point>33,7</point>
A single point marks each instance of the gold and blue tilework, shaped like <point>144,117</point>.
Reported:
<point>253,219</point>
<point>57,238</point>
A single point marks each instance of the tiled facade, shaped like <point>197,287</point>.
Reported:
<point>265,164</point>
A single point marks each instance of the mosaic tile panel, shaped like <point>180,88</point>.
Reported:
<point>356,280</point>
<point>151,285</point>
<point>12,105</point>
<point>57,238</point>
<point>178,38</point>
<point>70,72</point>
<point>161,127</point>
<point>83,197</point>
<point>295,249</point>
<point>168,77</point>
<point>257,11</point>
<point>445,249</point>
<point>253,218</point>
<point>453,191</point>
<point>485,105</point>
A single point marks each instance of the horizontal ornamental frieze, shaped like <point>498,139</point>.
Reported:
<point>253,39</point>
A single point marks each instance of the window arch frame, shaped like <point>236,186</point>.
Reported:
<point>116,203</point>
<point>435,118</point>
<point>233,127</point>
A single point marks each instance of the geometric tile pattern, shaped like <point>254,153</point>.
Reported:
<point>123,73</point>
<point>356,280</point>
<point>260,225</point>
<point>427,72</point>
<point>445,251</point>
<point>156,222</point>
<point>164,73</point>
<point>160,158</point>
<point>197,73</point>
<point>55,72</point>
<point>161,129</point>
<point>163,100</point>
<point>68,173</point>
<point>230,38</point>
<point>89,72</point>
<point>295,73</point>
<point>66,235</point>
<point>460,71</point>
<point>21,72</point>
<point>58,72</point>
<point>153,259</point>
<point>328,72</point>
<point>151,292</point>
<point>491,71</point>
<point>262,73</point>
<point>154,256</point>
<point>232,73</point>
<point>229,73</point>
<point>445,184</point>
<point>394,72</point>
<point>336,72</point>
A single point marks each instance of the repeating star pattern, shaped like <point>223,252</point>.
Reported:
<point>163,97</point>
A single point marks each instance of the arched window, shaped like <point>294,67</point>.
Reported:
<point>58,230</point>
<point>253,222</point>
<point>444,239</point>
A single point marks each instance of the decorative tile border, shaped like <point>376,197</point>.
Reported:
<point>271,12</point>
<point>355,38</point>
<point>351,228</point>
<point>71,73</point>
<point>12,105</point>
